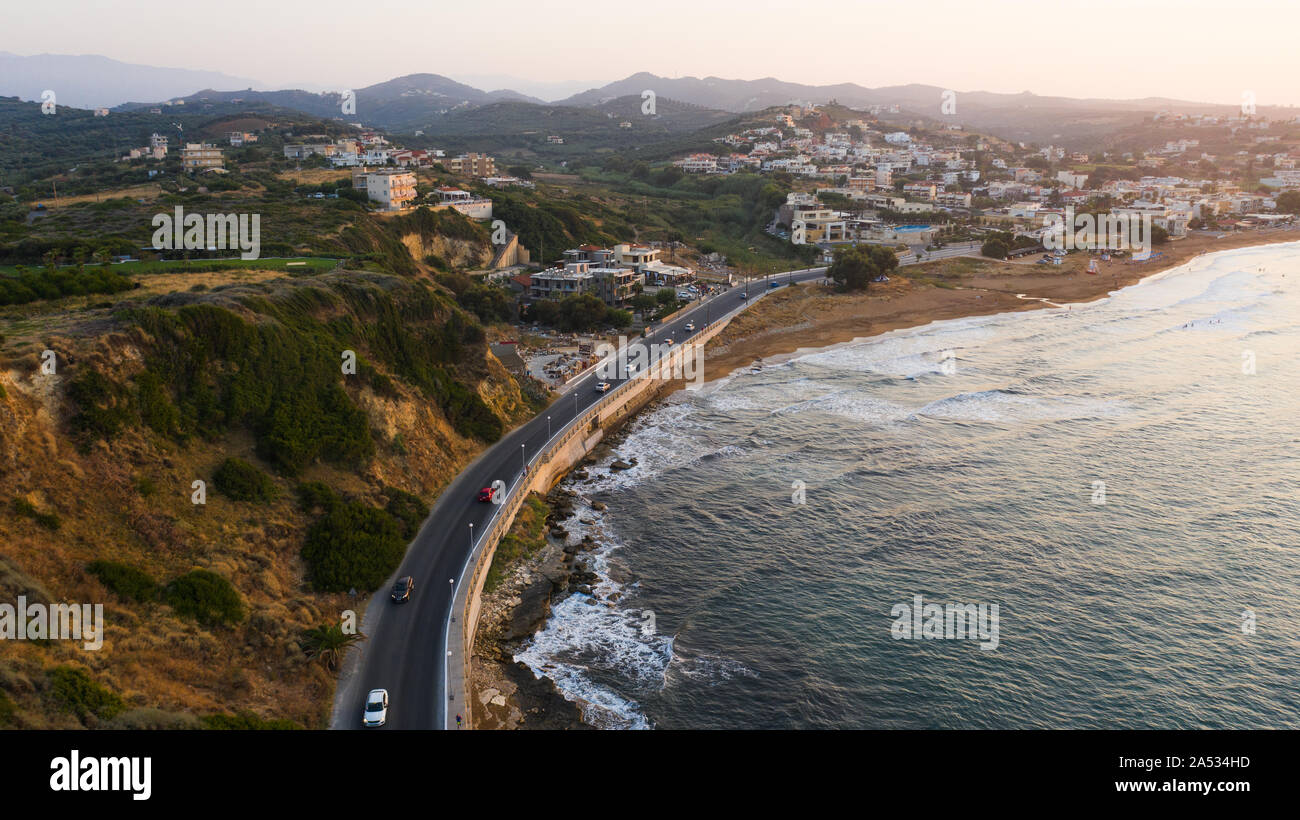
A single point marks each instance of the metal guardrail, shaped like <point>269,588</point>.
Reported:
<point>501,520</point>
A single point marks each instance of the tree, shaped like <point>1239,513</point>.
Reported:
<point>995,248</point>
<point>327,643</point>
<point>1159,235</point>
<point>855,267</point>
<point>1289,202</point>
<point>644,303</point>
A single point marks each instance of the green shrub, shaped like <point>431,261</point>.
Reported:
<point>101,407</point>
<point>73,690</point>
<point>352,546</point>
<point>407,509</point>
<point>316,495</point>
<point>206,597</point>
<point>124,581</point>
<point>146,486</point>
<point>246,721</point>
<point>49,521</point>
<point>153,719</point>
<point>240,481</point>
<point>30,286</point>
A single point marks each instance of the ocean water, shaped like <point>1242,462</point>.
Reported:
<point>959,461</point>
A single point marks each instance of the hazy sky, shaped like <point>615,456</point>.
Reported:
<point>1191,49</point>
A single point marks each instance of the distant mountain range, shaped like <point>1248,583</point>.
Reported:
<point>91,81</point>
<point>402,104</point>
<point>437,104</point>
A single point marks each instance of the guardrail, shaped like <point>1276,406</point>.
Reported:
<point>456,670</point>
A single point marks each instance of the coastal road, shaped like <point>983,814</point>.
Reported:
<point>406,648</point>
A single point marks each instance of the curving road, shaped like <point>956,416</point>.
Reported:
<point>406,648</point>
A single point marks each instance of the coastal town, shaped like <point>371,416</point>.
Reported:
<point>857,181</point>
<point>458,384</point>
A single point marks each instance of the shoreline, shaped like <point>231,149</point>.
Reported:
<point>807,317</point>
<point>813,317</point>
<point>559,564</point>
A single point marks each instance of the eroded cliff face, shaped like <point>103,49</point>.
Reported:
<point>460,254</point>
<point>71,494</point>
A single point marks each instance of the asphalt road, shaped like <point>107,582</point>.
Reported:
<point>406,646</point>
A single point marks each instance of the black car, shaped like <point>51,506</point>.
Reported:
<point>402,589</point>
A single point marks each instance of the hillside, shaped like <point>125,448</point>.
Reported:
<point>150,395</point>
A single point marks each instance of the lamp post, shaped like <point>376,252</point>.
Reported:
<point>548,428</point>
<point>523,459</point>
<point>471,537</point>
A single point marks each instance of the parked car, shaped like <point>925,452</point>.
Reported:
<point>402,589</point>
<point>376,713</point>
<point>486,493</point>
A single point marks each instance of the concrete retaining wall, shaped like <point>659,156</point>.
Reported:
<point>561,454</point>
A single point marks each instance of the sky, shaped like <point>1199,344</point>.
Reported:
<point>1192,49</point>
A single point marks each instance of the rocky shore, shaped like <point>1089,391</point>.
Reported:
<point>506,693</point>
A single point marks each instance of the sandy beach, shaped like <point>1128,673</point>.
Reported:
<point>815,316</point>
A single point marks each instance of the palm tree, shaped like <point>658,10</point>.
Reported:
<point>328,642</point>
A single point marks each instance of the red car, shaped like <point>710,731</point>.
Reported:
<point>486,494</point>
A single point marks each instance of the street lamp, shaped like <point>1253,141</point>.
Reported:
<point>548,428</point>
<point>471,537</point>
<point>522,458</point>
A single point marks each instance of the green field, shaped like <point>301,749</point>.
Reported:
<point>309,264</point>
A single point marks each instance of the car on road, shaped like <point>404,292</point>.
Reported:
<point>487,493</point>
<point>668,342</point>
<point>376,713</point>
<point>602,387</point>
<point>402,589</point>
<point>690,326</point>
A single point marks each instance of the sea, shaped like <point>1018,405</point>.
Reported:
<point>1120,479</point>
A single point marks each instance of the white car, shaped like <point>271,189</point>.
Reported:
<point>376,713</point>
<point>690,326</point>
<point>602,387</point>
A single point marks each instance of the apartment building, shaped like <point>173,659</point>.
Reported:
<point>698,164</point>
<point>200,156</point>
<point>393,189</point>
<point>473,165</point>
<point>557,283</point>
<point>304,150</point>
<point>953,199</point>
<point>921,190</point>
<point>635,256</point>
<point>615,286</point>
